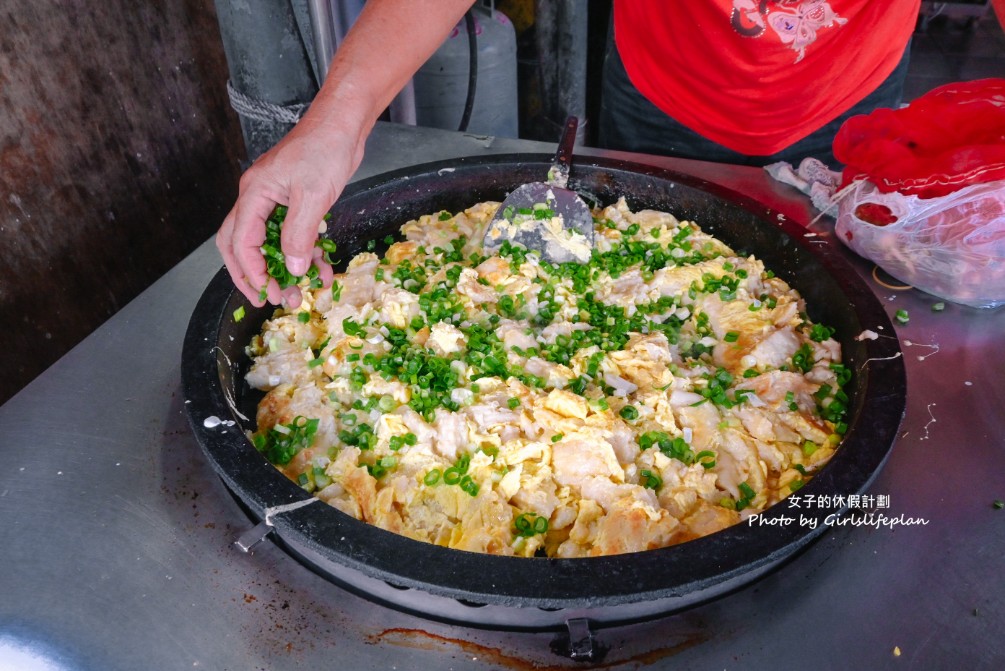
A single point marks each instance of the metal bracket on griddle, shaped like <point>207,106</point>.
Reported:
<point>252,537</point>
<point>581,648</point>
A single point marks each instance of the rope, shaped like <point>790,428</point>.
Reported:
<point>260,110</point>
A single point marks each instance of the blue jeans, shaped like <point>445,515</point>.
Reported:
<point>629,122</point>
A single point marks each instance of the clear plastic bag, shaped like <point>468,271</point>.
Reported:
<point>952,246</point>
<point>927,191</point>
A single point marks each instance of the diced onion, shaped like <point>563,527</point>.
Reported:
<point>622,387</point>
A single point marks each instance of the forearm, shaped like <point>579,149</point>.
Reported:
<point>390,40</point>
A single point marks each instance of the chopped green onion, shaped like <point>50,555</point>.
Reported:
<point>819,332</point>
<point>649,479</point>
<point>239,314</point>
<point>468,485</point>
<point>526,525</point>
<point>629,412</point>
<point>938,307</point>
<point>303,317</point>
<point>731,336</point>
<point>281,443</point>
<point>351,328</point>
<point>600,404</point>
<point>328,248</point>
<point>706,458</point>
<point>432,477</point>
<point>803,358</point>
<point>747,495</point>
<point>902,316</point>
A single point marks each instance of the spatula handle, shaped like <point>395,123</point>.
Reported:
<point>563,157</point>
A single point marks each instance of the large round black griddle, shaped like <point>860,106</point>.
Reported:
<point>539,592</point>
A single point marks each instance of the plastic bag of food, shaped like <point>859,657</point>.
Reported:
<point>925,191</point>
<point>952,247</point>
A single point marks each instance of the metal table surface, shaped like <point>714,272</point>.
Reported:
<point>118,549</point>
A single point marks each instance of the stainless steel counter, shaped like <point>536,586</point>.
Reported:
<point>118,553</point>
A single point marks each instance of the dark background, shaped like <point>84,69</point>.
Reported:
<point>119,153</point>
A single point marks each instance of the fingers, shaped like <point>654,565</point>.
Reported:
<point>300,228</point>
<point>240,239</point>
<point>225,244</point>
<point>325,272</point>
<point>250,213</point>
<point>291,297</point>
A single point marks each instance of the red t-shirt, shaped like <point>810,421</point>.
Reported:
<point>758,75</point>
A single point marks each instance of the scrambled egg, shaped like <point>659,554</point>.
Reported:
<point>663,391</point>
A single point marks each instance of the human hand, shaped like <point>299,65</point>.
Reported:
<point>308,168</point>
<point>307,171</point>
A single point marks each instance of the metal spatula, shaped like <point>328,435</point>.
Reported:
<point>547,216</point>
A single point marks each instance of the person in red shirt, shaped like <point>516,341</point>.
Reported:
<point>750,81</point>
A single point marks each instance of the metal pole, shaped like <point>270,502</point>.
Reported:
<point>267,61</point>
<point>330,21</point>
<point>561,31</point>
<point>324,32</point>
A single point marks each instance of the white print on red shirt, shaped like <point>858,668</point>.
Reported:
<point>796,22</point>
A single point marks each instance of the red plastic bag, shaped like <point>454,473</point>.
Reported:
<point>924,191</point>
<point>951,137</point>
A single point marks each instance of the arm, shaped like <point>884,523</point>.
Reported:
<point>308,168</point>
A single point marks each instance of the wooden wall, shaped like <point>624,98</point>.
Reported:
<point>119,154</point>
